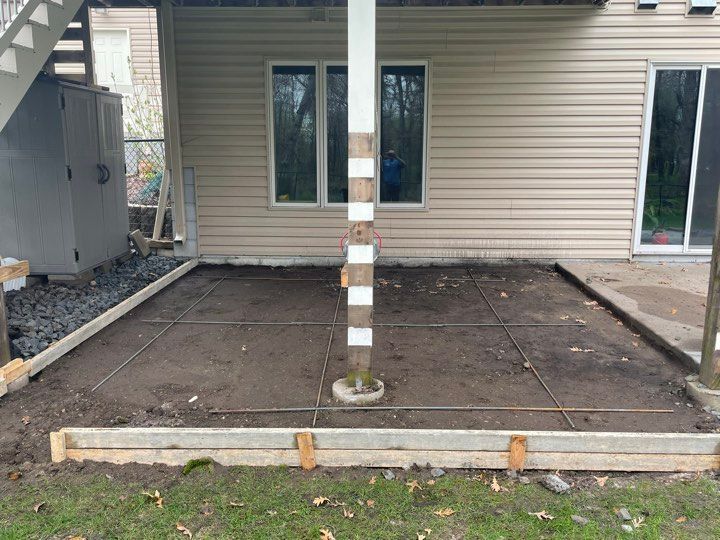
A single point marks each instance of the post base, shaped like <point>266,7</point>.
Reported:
<point>345,393</point>
<point>701,393</point>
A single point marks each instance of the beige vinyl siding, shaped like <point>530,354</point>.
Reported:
<point>142,25</point>
<point>534,130</point>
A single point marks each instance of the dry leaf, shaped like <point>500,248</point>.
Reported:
<point>319,501</point>
<point>638,522</point>
<point>681,519</point>
<point>234,504</point>
<point>445,512</point>
<point>580,321</point>
<point>336,503</point>
<point>625,359</point>
<point>421,536</point>
<point>14,475</point>
<point>370,503</point>
<point>430,482</point>
<point>601,480</point>
<point>565,317</point>
<point>503,294</point>
<point>155,497</point>
<point>542,515</point>
<point>373,480</point>
<point>348,514</point>
<point>495,486</point>
<point>325,534</point>
<point>25,420</point>
<point>38,506</point>
<point>180,527</point>
<point>673,311</point>
<point>578,349</point>
<point>413,486</point>
<point>590,303</point>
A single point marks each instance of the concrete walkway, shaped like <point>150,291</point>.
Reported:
<point>665,301</point>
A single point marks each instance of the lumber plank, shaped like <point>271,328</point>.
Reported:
<point>15,370</point>
<point>58,450</point>
<point>3,386</point>
<point>306,450</point>
<point>398,458</point>
<point>14,271</point>
<point>403,439</point>
<point>516,462</point>
<point>69,342</point>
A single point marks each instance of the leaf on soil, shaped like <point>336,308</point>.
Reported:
<point>25,420</point>
<point>565,317</point>
<point>336,503</point>
<point>625,359</point>
<point>578,349</point>
<point>183,529</point>
<point>370,503</point>
<point>348,514</point>
<point>196,463</point>
<point>235,504</point>
<point>580,321</point>
<point>154,497</point>
<point>319,501</point>
<point>412,486</point>
<point>496,487</point>
<point>542,515</point>
<point>590,303</point>
<point>503,294</point>
<point>325,534</point>
<point>619,323</point>
<point>638,522</point>
<point>601,480</point>
<point>38,506</point>
<point>421,536</point>
<point>673,311</point>
<point>681,519</point>
<point>14,475</point>
<point>444,512</point>
<point>430,482</point>
<point>372,480</point>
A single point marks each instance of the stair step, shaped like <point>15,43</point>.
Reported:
<point>74,33</point>
<point>8,62</point>
<point>24,38</point>
<point>40,16</point>
<point>57,2</point>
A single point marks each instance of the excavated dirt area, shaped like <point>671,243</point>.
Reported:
<point>592,360</point>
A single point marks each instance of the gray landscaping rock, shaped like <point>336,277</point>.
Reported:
<point>627,528</point>
<point>523,480</point>
<point>623,514</point>
<point>580,520</point>
<point>436,472</point>
<point>554,483</point>
<point>388,474</point>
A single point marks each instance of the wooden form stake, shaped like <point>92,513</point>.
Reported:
<point>710,361</point>
<point>518,444</point>
<point>361,187</point>
<point>307,450</point>
<point>7,273</point>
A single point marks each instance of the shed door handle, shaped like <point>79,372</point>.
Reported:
<point>107,174</point>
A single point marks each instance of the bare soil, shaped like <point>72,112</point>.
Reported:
<point>238,366</point>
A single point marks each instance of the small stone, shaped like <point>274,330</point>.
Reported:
<point>626,528</point>
<point>582,521</point>
<point>436,472</point>
<point>121,420</point>
<point>511,473</point>
<point>388,474</point>
<point>554,483</point>
<point>523,480</point>
<point>623,514</point>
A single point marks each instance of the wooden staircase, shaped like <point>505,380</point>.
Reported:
<point>29,31</point>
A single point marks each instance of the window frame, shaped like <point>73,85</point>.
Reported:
<point>272,198</point>
<point>378,134</point>
<point>321,111</point>
<point>638,248</point>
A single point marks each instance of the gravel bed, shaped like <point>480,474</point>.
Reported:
<point>43,314</point>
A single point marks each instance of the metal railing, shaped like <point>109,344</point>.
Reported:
<point>8,10</point>
<point>145,165</point>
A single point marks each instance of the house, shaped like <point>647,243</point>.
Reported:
<point>545,130</point>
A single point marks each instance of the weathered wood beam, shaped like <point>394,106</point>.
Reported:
<point>710,360</point>
<point>361,188</point>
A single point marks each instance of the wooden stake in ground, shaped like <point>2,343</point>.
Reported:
<point>710,361</point>
<point>361,188</point>
<point>7,273</point>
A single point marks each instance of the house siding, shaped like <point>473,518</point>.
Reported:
<point>535,125</point>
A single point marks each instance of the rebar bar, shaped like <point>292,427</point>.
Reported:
<point>459,408</point>
<point>394,325</point>
<point>517,346</point>
<point>139,352</point>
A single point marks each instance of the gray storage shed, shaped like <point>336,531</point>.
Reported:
<point>63,196</point>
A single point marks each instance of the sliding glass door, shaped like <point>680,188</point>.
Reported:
<point>681,166</point>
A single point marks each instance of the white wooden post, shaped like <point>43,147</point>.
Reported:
<point>361,188</point>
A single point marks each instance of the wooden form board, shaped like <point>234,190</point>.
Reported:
<point>340,447</point>
<point>14,271</point>
<point>69,342</point>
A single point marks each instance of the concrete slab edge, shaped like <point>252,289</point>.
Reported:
<point>625,309</point>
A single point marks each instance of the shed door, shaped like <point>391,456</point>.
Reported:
<point>114,190</point>
<point>81,127</point>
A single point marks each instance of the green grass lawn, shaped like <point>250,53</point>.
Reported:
<point>278,503</point>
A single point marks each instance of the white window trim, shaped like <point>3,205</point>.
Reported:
<point>685,248</point>
<point>321,134</point>
<point>273,202</point>
<point>378,125</point>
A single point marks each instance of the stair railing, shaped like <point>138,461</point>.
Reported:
<point>8,10</point>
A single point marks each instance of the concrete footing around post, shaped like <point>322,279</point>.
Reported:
<point>701,393</point>
<point>345,393</point>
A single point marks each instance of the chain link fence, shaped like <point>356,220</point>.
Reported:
<point>145,162</point>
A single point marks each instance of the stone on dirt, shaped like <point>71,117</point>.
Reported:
<point>388,474</point>
<point>623,514</point>
<point>580,520</point>
<point>436,472</point>
<point>626,528</point>
<point>554,483</point>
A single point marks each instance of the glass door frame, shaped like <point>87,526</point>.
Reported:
<point>685,248</point>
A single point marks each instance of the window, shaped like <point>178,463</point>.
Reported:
<point>681,166</point>
<point>309,139</point>
<point>294,108</point>
<point>402,134</point>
